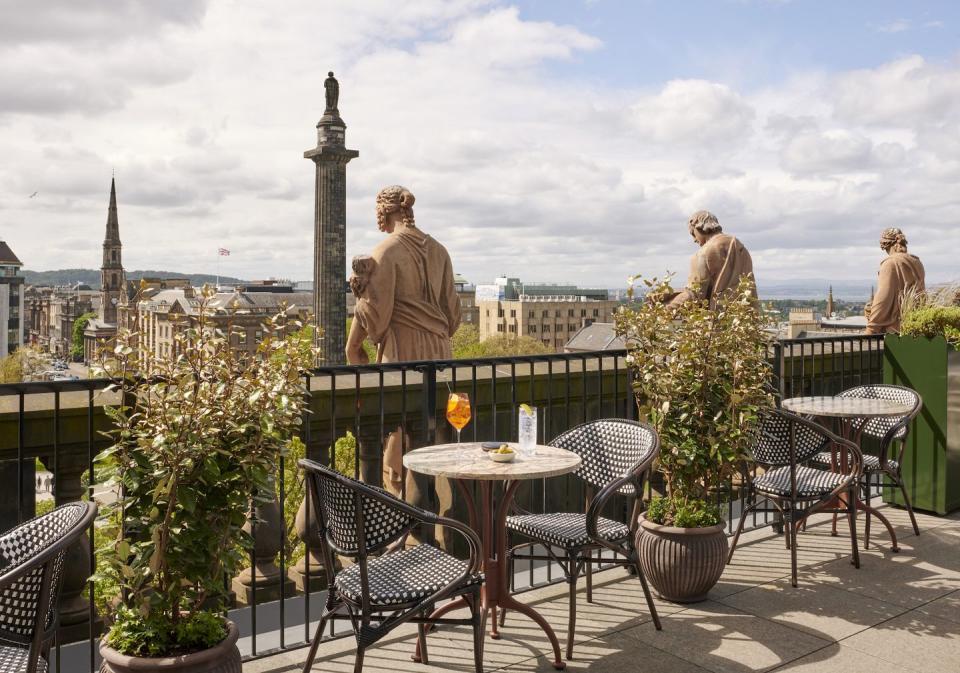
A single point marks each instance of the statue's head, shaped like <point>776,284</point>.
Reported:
<point>702,225</point>
<point>893,240</point>
<point>394,203</point>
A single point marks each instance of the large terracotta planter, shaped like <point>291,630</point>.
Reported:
<point>222,658</point>
<point>682,564</point>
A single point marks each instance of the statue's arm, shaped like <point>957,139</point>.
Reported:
<point>450,301</point>
<point>885,301</point>
<point>354,350</point>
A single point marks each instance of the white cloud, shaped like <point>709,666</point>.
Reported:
<point>693,112</point>
<point>205,115</point>
<point>895,26</point>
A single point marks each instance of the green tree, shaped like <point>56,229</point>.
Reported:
<point>466,344</point>
<point>24,364</point>
<point>79,325</point>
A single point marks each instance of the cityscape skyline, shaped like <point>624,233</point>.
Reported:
<point>541,144</point>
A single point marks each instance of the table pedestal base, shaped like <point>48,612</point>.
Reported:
<point>495,594</point>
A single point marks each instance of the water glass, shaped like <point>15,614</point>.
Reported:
<point>527,430</point>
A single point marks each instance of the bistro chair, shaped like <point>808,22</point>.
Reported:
<point>616,455</point>
<point>888,431</point>
<point>783,442</point>
<point>31,573</point>
<point>401,585</point>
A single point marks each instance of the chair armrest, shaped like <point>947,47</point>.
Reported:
<point>20,567</point>
<point>601,498</point>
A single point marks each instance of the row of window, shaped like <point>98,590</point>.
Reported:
<point>558,313</point>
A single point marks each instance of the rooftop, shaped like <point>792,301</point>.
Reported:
<point>897,613</point>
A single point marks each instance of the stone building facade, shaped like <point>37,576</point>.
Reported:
<point>552,320</point>
<point>166,308</point>
<point>11,301</point>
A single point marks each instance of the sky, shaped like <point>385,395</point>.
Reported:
<point>552,140</point>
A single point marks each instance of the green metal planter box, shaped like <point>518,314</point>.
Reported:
<point>931,461</point>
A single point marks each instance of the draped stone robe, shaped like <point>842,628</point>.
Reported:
<point>900,272</point>
<point>716,267</point>
<point>410,307</point>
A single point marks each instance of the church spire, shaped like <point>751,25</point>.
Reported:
<point>113,223</point>
<point>111,271</point>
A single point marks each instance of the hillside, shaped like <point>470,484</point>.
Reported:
<point>91,277</point>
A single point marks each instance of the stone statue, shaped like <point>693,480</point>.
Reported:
<point>717,266</point>
<point>899,273</point>
<point>331,89</point>
<point>407,304</point>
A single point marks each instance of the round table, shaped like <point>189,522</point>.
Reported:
<point>846,411</point>
<point>469,462</point>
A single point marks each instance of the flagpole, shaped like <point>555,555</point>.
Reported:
<point>218,269</point>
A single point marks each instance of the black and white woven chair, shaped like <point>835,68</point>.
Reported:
<point>31,565</point>
<point>783,443</point>
<point>616,455</point>
<point>402,585</point>
<point>888,431</point>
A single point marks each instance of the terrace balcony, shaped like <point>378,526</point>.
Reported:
<point>897,613</point>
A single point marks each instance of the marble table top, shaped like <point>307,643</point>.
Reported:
<point>443,460</point>
<point>846,407</point>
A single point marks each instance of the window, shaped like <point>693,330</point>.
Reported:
<point>545,314</point>
<point>531,314</point>
<point>242,337</point>
<point>583,313</point>
<point>532,329</point>
<point>546,328</point>
<point>596,313</point>
<point>499,328</point>
<point>499,312</point>
<point>513,313</point>
<point>513,328</point>
<point>488,313</point>
<point>570,313</point>
<point>546,342</point>
<point>258,335</point>
<point>557,313</point>
<point>571,328</point>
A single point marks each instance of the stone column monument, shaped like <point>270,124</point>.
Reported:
<point>330,227</point>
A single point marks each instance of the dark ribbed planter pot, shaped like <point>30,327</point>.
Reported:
<point>682,564</point>
<point>223,658</point>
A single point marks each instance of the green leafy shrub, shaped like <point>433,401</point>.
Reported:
<point>191,442</point>
<point>80,324</point>
<point>701,379</point>
<point>931,321</point>
<point>44,506</point>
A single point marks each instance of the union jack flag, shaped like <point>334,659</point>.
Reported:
<point>223,252</point>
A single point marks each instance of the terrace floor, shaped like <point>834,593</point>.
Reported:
<point>899,612</point>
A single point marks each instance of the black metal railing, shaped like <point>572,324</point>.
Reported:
<point>61,422</point>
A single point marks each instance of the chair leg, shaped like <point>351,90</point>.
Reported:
<point>852,516</point>
<point>590,578</point>
<point>572,619</point>
<point>906,500</point>
<point>422,638</point>
<point>503,616</point>
<point>312,654</point>
<point>649,597</point>
<point>792,535</point>
<point>358,661</point>
<point>736,536</point>
<point>478,626</point>
<point>866,531</point>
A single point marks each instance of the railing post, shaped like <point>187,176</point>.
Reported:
<point>419,486</point>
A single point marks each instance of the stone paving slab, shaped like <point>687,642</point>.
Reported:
<point>899,612</point>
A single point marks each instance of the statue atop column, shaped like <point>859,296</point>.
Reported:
<point>719,263</point>
<point>331,90</point>
<point>899,273</point>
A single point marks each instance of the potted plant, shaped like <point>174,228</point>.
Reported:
<point>701,378</point>
<point>197,441</point>
<point>925,356</point>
